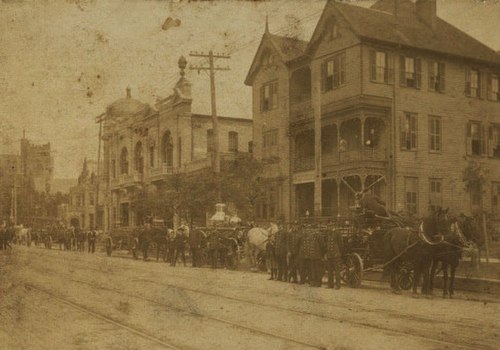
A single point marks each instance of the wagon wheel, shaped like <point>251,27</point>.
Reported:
<point>261,262</point>
<point>352,273</point>
<point>405,277</point>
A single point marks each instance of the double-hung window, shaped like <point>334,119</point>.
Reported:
<point>410,71</point>
<point>409,132</point>
<point>334,73</point>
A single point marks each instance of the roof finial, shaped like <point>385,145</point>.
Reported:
<point>267,24</point>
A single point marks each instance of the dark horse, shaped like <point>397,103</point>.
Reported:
<point>449,255</point>
<point>159,238</point>
<point>414,246</point>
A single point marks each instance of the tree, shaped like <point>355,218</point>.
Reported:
<point>243,185</point>
<point>475,178</point>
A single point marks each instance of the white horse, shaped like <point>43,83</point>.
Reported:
<point>23,235</point>
<point>257,239</point>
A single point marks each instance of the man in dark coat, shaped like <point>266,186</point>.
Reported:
<point>214,247</point>
<point>315,255</point>
<point>304,243</point>
<point>145,239</point>
<point>369,201</point>
<point>195,240</point>
<point>92,237</point>
<point>334,252</point>
<point>180,245</point>
<point>293,236</point>
<point>280,251</point>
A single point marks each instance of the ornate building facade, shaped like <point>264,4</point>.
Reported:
<point>390,99</point>
<point>144,145</point>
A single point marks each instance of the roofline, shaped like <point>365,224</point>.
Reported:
<point>223,117</point>
<point>372,40</point>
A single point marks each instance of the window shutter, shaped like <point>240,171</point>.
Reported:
<point>442,75</point>
<point>390,68</point>
<point>323,76</point>
<point>484,140</point>
<point>402,71</point>
<point>274,95</point>
<point>342,69</point>
<point>430,73</point>
<point>482,85</point>
<point>262,99</point>
<point>418,72</point>
<point>489,87</point>
<point>373,65</point>
<point>491,142</point>
<point>468,138</point>
<point>467,82</point>
<point>402,132</point>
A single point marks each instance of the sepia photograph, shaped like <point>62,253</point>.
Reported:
<point>249,174</point>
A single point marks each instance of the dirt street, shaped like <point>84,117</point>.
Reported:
<point>51,299</point>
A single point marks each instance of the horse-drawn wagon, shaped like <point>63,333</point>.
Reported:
<point>363,237</point>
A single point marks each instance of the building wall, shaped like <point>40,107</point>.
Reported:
<point>189,148</point>
<point>38,165</point>
<point>276,158</point>
<point>392,101</point>
<point>10,167</point>
<point>455,110</point>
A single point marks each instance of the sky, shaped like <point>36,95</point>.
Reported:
<point>62,62</point>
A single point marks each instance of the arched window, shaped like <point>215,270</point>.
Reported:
<point>167,149</point>
<point>124,161</point>
<point>139,158</point>
<point>233,141</point>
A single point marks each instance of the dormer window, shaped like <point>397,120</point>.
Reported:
<point>268,59</point>
<point>333,30</point>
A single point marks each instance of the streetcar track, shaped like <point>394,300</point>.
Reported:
<point>190,312</point>
<point>273,306</point>
<point>261,304</point>
<point>101,317</point>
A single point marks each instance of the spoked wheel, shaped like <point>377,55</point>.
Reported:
<point>352,273</point>
<point>261,262</point>
<point>405,277</point>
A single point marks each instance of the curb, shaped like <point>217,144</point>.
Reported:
<point>463,283</point>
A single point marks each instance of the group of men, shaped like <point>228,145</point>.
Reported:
<point>68,238</point>
<point>302,253</point>
<point>7,233</point>
<point>205,245</point>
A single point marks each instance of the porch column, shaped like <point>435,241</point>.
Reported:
<point>338,179</point>
<point>363,119</point>
<point>316,104</point>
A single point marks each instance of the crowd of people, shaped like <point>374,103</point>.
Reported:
<point>213,246</point>
<point>302,253</point>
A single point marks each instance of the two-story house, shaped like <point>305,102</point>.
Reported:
<point>389,99</point>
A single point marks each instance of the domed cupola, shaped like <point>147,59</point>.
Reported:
<point>127,108</point>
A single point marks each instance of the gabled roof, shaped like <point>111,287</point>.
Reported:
<point>408,30</point>
<point>287,49</point>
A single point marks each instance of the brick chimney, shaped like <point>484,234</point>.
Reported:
<point>426,11</point>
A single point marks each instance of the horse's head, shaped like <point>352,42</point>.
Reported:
<point>440,223</point>
<point>273,228</point>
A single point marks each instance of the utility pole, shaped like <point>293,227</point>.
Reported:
<point>99,120</point>
<point>215,124</point>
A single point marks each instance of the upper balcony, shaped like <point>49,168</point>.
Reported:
<point>300,95</point>
<point>160,172</point>
<point>301,111</point>
<point>127,180</point>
